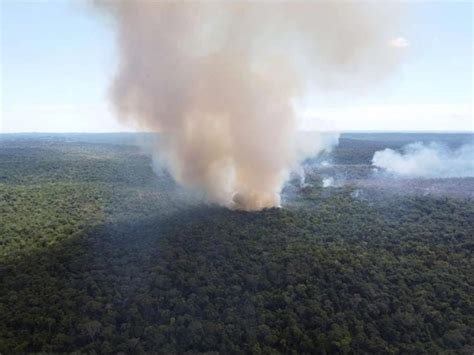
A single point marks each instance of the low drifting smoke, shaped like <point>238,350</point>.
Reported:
<point>328,182</point>
<point>217,80</point>
<point>431,160</point>
<point>310,145</point>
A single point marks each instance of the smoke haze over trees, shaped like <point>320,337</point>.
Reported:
<point>427,160</point>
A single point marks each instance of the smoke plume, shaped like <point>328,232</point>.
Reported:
<point>427,160</point>
<point>217,79</point>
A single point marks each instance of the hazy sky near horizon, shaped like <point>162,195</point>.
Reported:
<point>58,58</point>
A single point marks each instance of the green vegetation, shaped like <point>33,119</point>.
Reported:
<point>98,254</point>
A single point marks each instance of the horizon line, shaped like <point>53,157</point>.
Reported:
<point>299,131</point>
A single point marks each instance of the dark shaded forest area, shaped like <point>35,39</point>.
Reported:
<point>99,254</point>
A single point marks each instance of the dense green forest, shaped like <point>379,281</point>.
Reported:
<point>99,254</point>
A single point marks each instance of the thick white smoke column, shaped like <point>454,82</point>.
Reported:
<point>218,78</point>
<point>427,160</point>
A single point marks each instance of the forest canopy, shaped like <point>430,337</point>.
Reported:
<point>100,254</point>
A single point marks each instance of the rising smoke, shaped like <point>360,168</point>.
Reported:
<point>217,79</point>
<point>431,160</point>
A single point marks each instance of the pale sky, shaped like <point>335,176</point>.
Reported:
<point>58,58</point>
